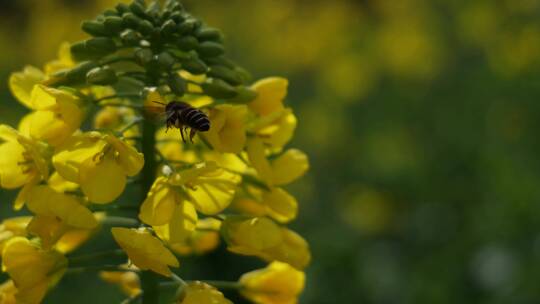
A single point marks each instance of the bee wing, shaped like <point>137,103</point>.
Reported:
<point>155,113</point>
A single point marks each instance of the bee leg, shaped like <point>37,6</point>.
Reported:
<point>182,133</point>
<point>192,134</point>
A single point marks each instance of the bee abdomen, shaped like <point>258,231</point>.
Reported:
<point>195,119</point>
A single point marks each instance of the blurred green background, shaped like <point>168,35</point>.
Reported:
<point>421,121</point>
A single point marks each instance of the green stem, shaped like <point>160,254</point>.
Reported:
<point>149,280</point>
<point>82,269</point>
<point>150,287</point>
<point>119,95</point>
<point>223,285</point>
<point>120,221</point>
<point>95,255</point>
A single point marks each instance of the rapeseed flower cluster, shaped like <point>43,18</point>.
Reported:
<point>91,136</point>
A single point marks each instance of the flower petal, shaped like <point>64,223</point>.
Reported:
<point>22,84</point>
<point>160,203</point>
<point>144,250</point>
<point>75,151</point>
<point>102,182</point>
<point>289,166</point>
<point>270,95</point>
<point>12,166</point>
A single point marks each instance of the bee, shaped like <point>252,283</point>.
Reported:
<point>181,115</point>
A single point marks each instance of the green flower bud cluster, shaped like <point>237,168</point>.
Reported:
<point>157,42</point>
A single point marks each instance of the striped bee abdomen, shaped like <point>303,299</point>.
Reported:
<point>181,115</point>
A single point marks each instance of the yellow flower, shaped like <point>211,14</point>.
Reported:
<point>275,129</point>
<point>278,283</point>
<point>13,227</point>
<point>69,241</point>
<point>204,239</point>
<point>99,164</point>
<point>128,281</point>
<point>263,238</point>
<point>275,203</point>
<point>202,293</point>
<point>209,187</point>
<point>144,250</point>
<point>274,123</point>
<point>116,118</point>
<point>56,213</point>
<point>57,115</point>
<point>23,160</point>
<point>286,168</point>
<point>22,83</point>
<point>8,292</point>
<point>227,131</point>
<point>63,62</point>
<point>171,147</point>
<point>60,184</point>
<point>32,269</point>
<point>271,92</point>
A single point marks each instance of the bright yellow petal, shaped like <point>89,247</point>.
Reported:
<point>13,166</point>
<point>211,195</point>
<point>280,205</point>
<point>75,151</point>
<point>294,250</point>
<point>102,182</point>
<point>128,157</point>
<point>22,84</point>
<point>278,283</point>
<point>144,250</point>
<point>280,131</point>
<point>202,293</point>
<point>31,268</point>
<point>59,184</point>
<point>159,205</point>
<point>253,233</point>
<point>270,95</point>
<point>49,229</point>
<point>257,158</point>
<point>289,166</point>
<point>227,131</point>
<point>181,225</point>
<point>45,201</point>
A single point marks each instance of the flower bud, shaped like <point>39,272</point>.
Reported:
<point>177,17</point>
<point>101,45</point>
<point>177,84</point>
<point>224,73</point>
<point>122,8</point>
<point>218,88</point>
<point>187,43</point>
<point>244,95</point>
<point>195,66</point>
<point>209,34</point>
<point>130,20</point>
<point>94,28</point>
<point>221,60</point>
<point>80,52</point>
<point>138,9</point>
<point>114,24</point>
<point>101,76</point>
<point>168,28</point>
<point>145,27</point>
<point>110,12</point>
<point>186,27</point>
<point>78,73</point>
<point>210,49</point>
<point>165,60</point>
<point>130,37</point>
<point>143,56</point>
